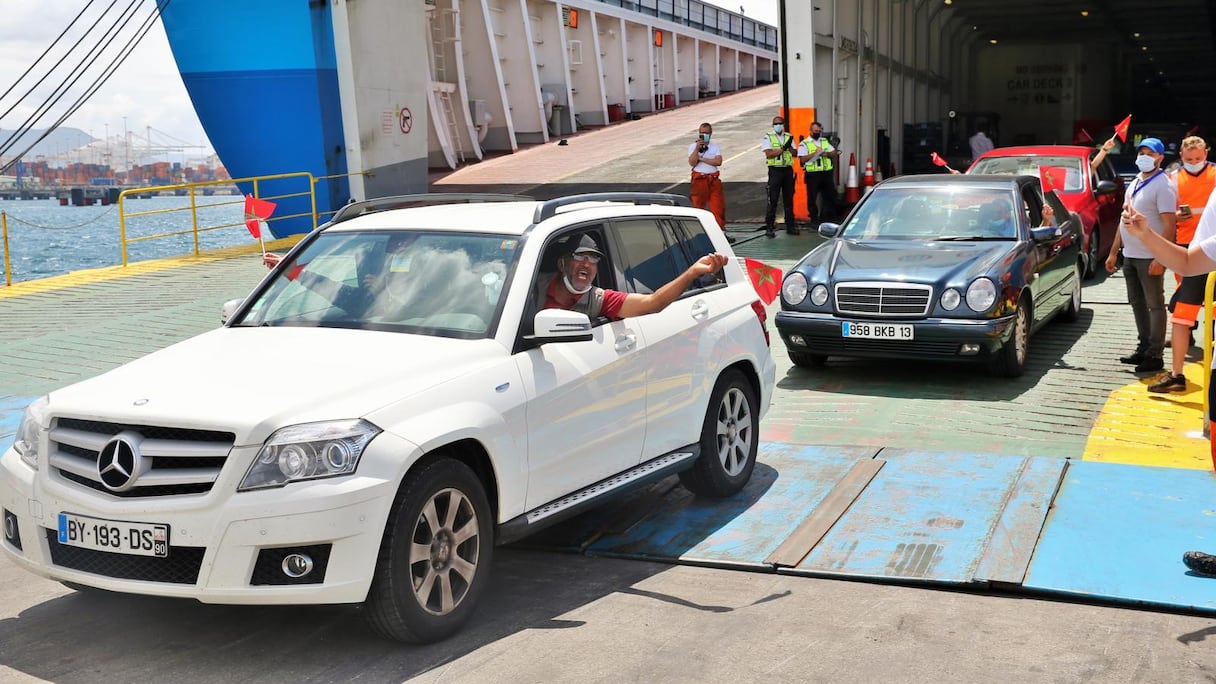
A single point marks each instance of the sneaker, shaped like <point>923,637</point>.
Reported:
<point>1132,359</point>
<point>794,231</point>
<point>770,233</point>
<point>1200,562</point>
<point>1168,382</point>
<point>1150,365</point>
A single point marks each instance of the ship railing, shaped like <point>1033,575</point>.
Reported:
<point>8,265</point>
<point>198,227</point>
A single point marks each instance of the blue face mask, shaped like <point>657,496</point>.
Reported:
<point>779,128</point>
<point>1195,168</point>
<point>1145,163</point>
<point>705,137</point>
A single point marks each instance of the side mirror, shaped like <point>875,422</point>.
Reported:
<point>559,325</point>
<point>1105,187</point>
<point>1045,233</point>
<point>829,230</point>
<point>228,308</point>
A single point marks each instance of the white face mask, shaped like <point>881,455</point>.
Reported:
<point>1195,168</point>
<point>570,286</point>
<point>1145,163</point>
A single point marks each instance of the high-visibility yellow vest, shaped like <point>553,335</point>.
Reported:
<point>786,158</point>
<point>823,162</point>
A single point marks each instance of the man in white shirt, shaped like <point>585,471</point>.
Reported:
<point>705,188</point>
<point>980,143</point>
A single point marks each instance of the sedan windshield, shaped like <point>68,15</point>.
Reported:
<point>1068,174</point>
<point>447,284</point>
<point>946,212</point>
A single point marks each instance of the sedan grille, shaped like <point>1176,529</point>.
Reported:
<point>883,299</point>
<point>138,460</point>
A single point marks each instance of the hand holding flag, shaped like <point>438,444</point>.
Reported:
<point>938,161</point>
<point>765,278</point>
<point>255,210</point>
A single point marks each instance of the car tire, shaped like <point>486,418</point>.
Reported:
<point>730,437</point>
<point>808,360</point>
<point>1092,261</point>
<point>1011,358</point>
<point>1072,310</point>
<point>435,558</point>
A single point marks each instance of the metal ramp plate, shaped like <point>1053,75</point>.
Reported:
<point>1118,532</point>
<point>788,483</point>
<point>940,518</point>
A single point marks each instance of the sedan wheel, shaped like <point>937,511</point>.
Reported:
<point>729,439</point>
<point>1011,359</point>
<point>435,556</point>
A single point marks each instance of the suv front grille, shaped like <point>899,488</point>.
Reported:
<point>883,299</point>
<point>162,461</point>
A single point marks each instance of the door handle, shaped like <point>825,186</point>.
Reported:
<point>699,309</point>
<point>626,342</point>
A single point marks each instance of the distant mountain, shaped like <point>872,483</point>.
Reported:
<point>60,140</point>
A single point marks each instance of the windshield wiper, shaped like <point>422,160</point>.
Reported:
<point>971,238</point>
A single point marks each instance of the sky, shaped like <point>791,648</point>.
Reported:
<point>146,90</point>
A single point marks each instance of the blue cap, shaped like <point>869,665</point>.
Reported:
<point>1153,144</point>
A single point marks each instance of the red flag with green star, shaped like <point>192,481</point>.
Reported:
<point>1052,177</point>
<point>765,278</point>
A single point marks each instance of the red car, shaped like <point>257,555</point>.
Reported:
<point>1097,196</point>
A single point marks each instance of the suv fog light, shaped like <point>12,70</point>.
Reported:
<point>969,350</point>
<point>12,534</point>
<point>297,565</point>
<point>798,340</point>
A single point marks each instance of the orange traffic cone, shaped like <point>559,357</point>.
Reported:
<point>851,192</point>
<point>867,180</point>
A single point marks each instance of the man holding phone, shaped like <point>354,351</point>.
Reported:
<point>705,188</point>
<point>1195,182</point>
<point>778,148</point>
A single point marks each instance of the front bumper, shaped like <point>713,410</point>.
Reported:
<point>216,539</point>
<point>933,339</point>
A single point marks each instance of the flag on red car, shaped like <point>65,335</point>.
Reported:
<point>257,209</point>
<point>1052,177</point>
<point>1121,128</point>
<point>765,278</point>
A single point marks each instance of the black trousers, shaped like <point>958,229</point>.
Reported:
<point>821,184</point>
<point>780,185</point>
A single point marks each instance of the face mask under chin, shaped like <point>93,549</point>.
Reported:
<point>1194,168</point>
<point>570,286</point>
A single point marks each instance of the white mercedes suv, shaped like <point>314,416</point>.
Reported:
<point>389,404</point>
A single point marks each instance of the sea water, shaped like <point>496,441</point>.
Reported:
<point>46,239</point>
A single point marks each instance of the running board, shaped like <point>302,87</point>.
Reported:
<point>577,502</point>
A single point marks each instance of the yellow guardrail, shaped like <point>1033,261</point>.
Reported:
<point>309,190</point>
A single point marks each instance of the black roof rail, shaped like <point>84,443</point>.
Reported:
<point>376,204</point>
<point>550,207</point>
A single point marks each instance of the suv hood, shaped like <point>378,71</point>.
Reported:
<point>252,381</point>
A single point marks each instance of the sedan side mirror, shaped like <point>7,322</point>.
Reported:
<point>1105,187</point>
<point>829,229</point>
<point>1045,233</point>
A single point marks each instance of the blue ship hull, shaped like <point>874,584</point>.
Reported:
<point>263,79</point>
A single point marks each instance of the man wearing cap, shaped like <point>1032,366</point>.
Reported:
<point>573,286</point>
<point>1152,195</point>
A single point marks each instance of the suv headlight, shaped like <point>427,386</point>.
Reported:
<point>308,452</point>
<point>30,431</point>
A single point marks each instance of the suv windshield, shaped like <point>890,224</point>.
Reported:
<point>934,213</point>
<point>432,283</point>
<point>1070,170</point>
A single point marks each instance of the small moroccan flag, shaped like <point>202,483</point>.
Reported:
<point>1121,128</point>
<point>765,278</point>
<point>257,209</point>
<point>1052,177</point>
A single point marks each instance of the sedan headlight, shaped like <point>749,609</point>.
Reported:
<point>308,452</point>
<point>951,299</point>
<point>30,431</point>
<point>981,295</point>
<point>819,295</point>
<point>793,290</point>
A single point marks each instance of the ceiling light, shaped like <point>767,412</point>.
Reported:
<point>1085,13</point>
<point>1144,48</point>
<point>1136,35</point>
<point>992,41</point>
<point>949,2</point>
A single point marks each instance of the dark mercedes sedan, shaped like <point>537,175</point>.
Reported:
<point>936,267</point>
